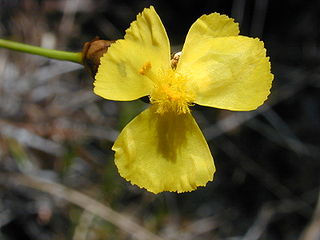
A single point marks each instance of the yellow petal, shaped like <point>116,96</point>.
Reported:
<point>164,153</point>
<point>208,26</point>
<point>229,73</point>
<point>122,74</point>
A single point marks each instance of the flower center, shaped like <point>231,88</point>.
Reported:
<point>170,93</point>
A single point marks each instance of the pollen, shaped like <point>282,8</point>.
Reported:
<point>170,94</point>
<point>145,68</point>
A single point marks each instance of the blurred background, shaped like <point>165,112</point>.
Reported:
<point>53,128</point>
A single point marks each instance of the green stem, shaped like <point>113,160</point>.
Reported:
<point>45,52</point>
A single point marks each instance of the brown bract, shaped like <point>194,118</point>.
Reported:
<point>92,52</point>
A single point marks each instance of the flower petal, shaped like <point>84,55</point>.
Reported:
<point>122,74</point>
<point>229,73</point>
<point>208,26</point>
<point>164,153</point>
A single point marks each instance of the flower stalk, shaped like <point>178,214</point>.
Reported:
<point>45,52</point>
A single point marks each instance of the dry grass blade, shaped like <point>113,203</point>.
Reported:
<point>83,227</point>
<point>312,231</point>
<point>260,224</point>
<point>83,201</point>
<point>30,139</point>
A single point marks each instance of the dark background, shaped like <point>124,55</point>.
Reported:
<point>52,126</point>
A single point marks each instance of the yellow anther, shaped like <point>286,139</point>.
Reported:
<point>145,68</point>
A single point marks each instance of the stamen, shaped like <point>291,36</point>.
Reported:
<point>170,94</point>
<point>145,68</point>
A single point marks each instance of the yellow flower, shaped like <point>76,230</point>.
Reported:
<point>163,149</point>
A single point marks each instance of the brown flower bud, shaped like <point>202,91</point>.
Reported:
<point>175,59</point>
<point>92,52</point>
